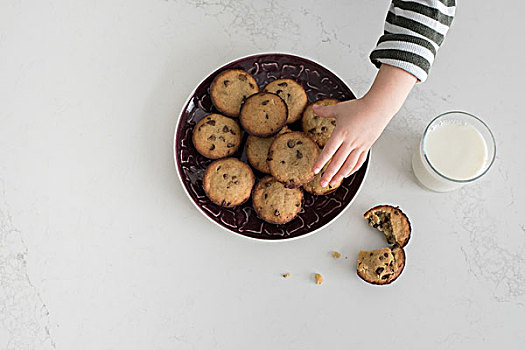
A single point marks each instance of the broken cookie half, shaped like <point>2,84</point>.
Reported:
<point>392,222</point>
<point>381,266</point>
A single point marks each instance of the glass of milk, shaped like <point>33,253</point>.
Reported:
<point>457,148</point>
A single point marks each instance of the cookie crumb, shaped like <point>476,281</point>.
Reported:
<point>336,255</point>
<point>286,275</point>
<point>318,278</point>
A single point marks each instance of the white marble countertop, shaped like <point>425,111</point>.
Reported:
<point>101,249</point>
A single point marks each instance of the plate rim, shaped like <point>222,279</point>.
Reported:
<point>174,150</point>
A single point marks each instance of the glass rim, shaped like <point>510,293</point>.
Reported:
<point>444,176</point>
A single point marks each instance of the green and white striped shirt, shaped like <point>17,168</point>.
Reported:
<point>414,31</point>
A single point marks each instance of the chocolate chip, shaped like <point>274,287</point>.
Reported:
<point>234,177</point>
<point>211,122</point>
<point>381,258</point>
<point>278,92</point>
<point>225,176</point>
<point>396,213</point>
<point>265,102</point>
<point>283,84</point>
<point>226,82</point>
<point>385,255</point>
<point>316,116</point>
<point>269,159</point>
<point>276,212</point>
<point>291,143</point>
<point>242,77</point>
<point>371,254</point>
<point>230,145</point>
<point>385,277</point>
<point>297,205</point>
<point>236,182</point>
<point>212,147</point>
<point>299,154</point>
<point>225,129</point>
<point>299,142</point>
<point>288,96</point>
<point>267,184</point>
<point>312,130</point>
<point>232,132</point>
<point>212,138</point>
<point>329,186</point>
<point>379,270</point>
<point>266,116</point>
<point>265,195</point>
<point>228,204</point>
<point>333,122</point>
<point>219,167</point>
<point>324,128</point>
<point>376,225</point>
<point>222,138</point>
<point>223,202</point>
<point>251,86</point>
<point>282,162</point>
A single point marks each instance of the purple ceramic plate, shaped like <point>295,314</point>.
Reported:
<point>317,211</point>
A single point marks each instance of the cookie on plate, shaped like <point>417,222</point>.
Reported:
<point>216,136</point>
<point>257,150</point>
<point>263,114</point>
<point>392,222</point>
<point>274,203</point>
<point>292,93</point>
<point>318,128</point>
<point>381,266</point>
<point>314,186</point>
<point>291,158</point>
<point>228,182</point>
<point>230,88</point>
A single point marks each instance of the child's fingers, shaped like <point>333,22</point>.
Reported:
<point>333,144</point>
<point>359,163</point>
<point>349,163</point>
<point>329,111</point>
<point>335,164</point>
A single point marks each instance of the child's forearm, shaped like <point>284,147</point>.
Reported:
<point>388,92</point>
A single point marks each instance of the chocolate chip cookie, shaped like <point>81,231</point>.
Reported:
<point>274,203</point>
<point>292,93</point>
<point>228,182</point>
<point>257,150</point>
<point>314,186</point>
<point>318,128</point>
<point>392,222</point>
<point>263,114</point>
<point>291,158</point>
<point>216,136</point>
<point>230,89</point>
<point>381,266</point>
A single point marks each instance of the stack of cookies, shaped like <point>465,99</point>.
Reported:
<point>282,157</point>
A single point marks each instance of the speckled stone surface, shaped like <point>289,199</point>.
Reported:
<point>101,249</point>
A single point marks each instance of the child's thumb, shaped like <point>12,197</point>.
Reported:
<point>329,111</point>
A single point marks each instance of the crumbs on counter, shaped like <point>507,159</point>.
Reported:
<point>336,255</point>
<point>286,275</point>
<point>318,278</point>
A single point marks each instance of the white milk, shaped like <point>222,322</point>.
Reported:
<point>456,150</point>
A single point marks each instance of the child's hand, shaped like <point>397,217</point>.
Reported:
<point>360,122</point>
<point>358,126</point>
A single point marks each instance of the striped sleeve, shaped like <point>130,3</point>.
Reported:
<point>414,31</point>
